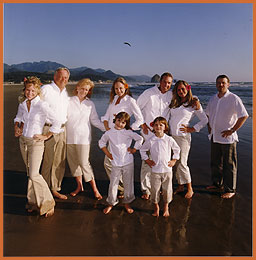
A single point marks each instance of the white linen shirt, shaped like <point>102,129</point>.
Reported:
<point>127,104</point>
<point>182,115</point>
<point>161,152</point>
<point>153,104</point>
<point>119,141</point>
<point>223,114</point>
<point>58,101</point>
<point>35,118</point>
<point>80,116</point>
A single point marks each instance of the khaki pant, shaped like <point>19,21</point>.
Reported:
<point>159,180</point>
<point>182,171</point>
<point>78,160</point>
<point>38,192</point>
<point>53,167</point>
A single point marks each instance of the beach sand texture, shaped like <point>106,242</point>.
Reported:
<point>206,225</point>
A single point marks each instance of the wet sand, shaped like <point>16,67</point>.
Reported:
<point>206,225</point>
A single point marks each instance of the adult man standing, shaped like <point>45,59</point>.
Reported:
<point>53,167</point>
<point>153,102</point>
<point>226,114</point>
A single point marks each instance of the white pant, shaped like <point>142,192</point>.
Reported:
<point>181,167</point>
<point>38,192</point>
<point>127,172</point>
<point>159,180</point>
<point>78,160</point>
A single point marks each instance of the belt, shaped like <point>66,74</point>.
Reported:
<point>46,124</point>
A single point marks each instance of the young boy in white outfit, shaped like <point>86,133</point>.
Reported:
<point>161,147</point>
<point>120,139</point>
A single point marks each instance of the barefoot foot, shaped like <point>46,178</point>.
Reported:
<point>228,195</point>
<point>145,196</point>
<point>189,194</point>
<point>128,208</point>
<point>107,209</point>
<point>166,213</point>
<point>97,195</point>
<point>56,194</point>
<point>75,192</point>
<point>49,213</point>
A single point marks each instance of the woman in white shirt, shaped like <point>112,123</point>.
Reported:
<point>119,140</point>
<point>29,123</point>
<point>81,114</point>
<point>181,114</point>
<point>161,146</point>
<point>120,101</point>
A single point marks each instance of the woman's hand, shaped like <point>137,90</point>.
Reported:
<point>131,150</point>
<point>150,163</point>
<point>144,128</point>
<point>17,131</point>
<point>39,138</point>
<point>172,162</point>
<point>187,129</point>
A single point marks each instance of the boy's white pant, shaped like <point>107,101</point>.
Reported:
<point>78,160</point>
<point>182,171</point>
<point>38,193</point>
<point>163,180</point>
<point>145,173</point>
<point>127,173</point>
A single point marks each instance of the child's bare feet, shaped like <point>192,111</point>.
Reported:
<point>56,194</point>
<point>166,210</point>
<point>156,211</point>
<point>145,196</point>
<point>228,195</point>
<point>49,213</point>
<point>128,208</point>
<point>76,191</point>
<point>107,209</point>
<point>179,189</point>
<point>189,194</point>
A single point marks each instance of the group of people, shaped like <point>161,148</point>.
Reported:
<point>52,126</point>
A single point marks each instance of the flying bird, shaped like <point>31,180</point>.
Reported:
<point>128,44</point>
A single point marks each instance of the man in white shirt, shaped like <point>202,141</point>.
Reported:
<point>226,114</point>
<point>153,102</point>
<point>53,167</point>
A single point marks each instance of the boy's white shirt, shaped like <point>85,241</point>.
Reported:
<point>161,152</point>
<point>182,115</point>
<point>119,141</point>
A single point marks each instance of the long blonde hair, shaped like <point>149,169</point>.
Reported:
<point>113,93</point>
<point>176,99</point>
<point>30,80</point>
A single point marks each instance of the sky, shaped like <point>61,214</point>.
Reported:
<point>195,42</point>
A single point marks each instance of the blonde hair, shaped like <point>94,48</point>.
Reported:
<point>82,82</point>
<point>62,68</point>
<point>113,93</point>
<point>176,99</point>
<point>162,120</point>
<point>30,80</point>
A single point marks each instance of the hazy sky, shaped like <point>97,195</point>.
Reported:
<point>195,42</point>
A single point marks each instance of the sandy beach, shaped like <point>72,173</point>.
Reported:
<point>206,225</point>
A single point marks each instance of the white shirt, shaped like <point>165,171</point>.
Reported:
<point>58,101</point>
<point>35,118</point>
<point>80,116</point>
<point>182,115</point>
<point>119,141</point>
<point>127,104</point>
<point>153,104</point>
<point>223,114</point>
<point>160,152</point>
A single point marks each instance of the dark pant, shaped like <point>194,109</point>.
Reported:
<point>224,165</point>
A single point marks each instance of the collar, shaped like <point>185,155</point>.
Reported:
<point>33,101</point>
<point>225,95</point>
<point>55,87</point>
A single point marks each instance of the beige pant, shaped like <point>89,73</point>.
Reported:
<point>108,169</point>
<point>78,160</point>
<point>182,171</point>
<point>38,192</point>
<point>159,180</point>
<point>53,167</point>
<point>145,173</point>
